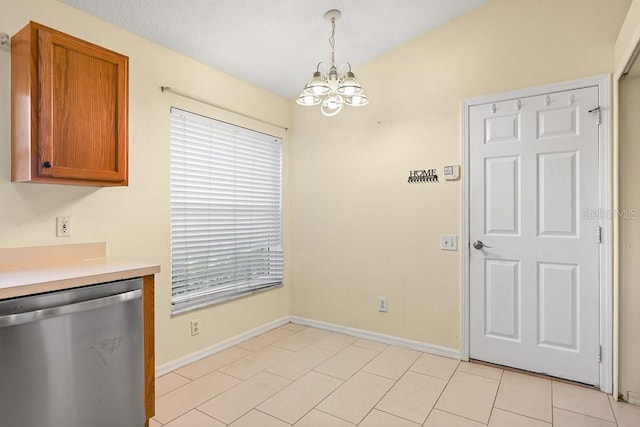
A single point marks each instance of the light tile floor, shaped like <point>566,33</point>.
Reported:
<point>307,377</point>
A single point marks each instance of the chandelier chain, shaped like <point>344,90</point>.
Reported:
<point>332,42</point>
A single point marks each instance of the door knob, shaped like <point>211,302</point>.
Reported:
<point>479,245</point>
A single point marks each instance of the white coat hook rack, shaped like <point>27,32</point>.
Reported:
<point>5,40</point>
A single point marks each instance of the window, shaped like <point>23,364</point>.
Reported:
<point>226,216</point>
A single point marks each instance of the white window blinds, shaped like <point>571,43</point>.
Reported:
<point>226,216</point>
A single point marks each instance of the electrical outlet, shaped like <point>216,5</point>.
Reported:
<point>63,226</point>
<point>195,327</point>
<point>448,242</point>
<point>382,304</point>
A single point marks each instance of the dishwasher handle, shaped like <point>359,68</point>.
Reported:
<point>46,313</point>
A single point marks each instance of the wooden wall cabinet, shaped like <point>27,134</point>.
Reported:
<point>69,110</point>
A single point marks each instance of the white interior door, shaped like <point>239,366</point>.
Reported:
<point>534,287</point>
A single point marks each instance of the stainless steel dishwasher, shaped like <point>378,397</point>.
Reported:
<point>73,358</point>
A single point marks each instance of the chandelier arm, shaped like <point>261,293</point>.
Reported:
<point>340,67</point>
<point>323,64</point>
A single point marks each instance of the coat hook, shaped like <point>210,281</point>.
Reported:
<point>547,100</point>
<point>518,105</point>
<point>571,99</point>
<point>493,108</point>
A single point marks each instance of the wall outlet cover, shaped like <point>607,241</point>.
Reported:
<point>195,327</point>
<point>63,226</point>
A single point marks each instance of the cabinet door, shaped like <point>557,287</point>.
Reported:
<point>82,110</point>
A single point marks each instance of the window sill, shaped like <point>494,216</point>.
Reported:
<point>184,307</point>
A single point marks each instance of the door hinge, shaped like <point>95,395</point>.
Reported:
<point>600,354</point>
<point>599,235</point>
<point>598,112</point>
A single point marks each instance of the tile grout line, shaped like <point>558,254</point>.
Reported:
<point>395,415</point>
<point>493,405</point>
<point>612,410</point>
<point>207,415</point>
<point>481,376</point>
<point>383,396</point>
<point>352,375</point>
<point>331,415</point>
<point>526,416</point>
<point>440,395</point>
<point>459,416</point>
<point>292,382</point>
<point>359,370</point>
<point>265,370</point>
<point>589,416</point>
<point>255,408</point>
<point>387,392</point>
<point>180,375</point>
<point>217,369</point>
<point>327,396</point>
<point>262,401</point>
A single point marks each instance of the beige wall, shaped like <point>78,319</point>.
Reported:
<point>628,152</point>
<point>134,221</point>
<point>629,175</point>
<point>359,231</point>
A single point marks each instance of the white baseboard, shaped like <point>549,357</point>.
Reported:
<point>193,357</point>
<point>360,333</point>
<point>375,336</point>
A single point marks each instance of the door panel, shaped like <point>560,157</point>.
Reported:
<point>503,195</point>
<point>503,299</point>
<point>558,122</point>
<point>559,305</point>
<point>503,129</point>
<point>534,289</point>
<point>557,192</point>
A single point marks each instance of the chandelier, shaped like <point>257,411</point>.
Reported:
<point>332,90</point>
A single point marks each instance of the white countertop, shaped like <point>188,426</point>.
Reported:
<point>26,271</point>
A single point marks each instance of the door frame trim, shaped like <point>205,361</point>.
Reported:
<point>603,82</point>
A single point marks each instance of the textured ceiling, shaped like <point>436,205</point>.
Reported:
<point>276,44</point>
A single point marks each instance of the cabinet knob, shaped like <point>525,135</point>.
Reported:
<point>46,165</point>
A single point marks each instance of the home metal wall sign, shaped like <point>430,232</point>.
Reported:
<point>422,176</point>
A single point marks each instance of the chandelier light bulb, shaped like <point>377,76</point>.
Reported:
<point>333,90</point>
<point>317,85</point>
<point>308,99</point>
<point>356,100</point>
<point>349,85</point>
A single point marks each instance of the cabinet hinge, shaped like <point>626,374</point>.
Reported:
<point>597,111</point>
<point>599,354</point>
<point>599,235</point>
